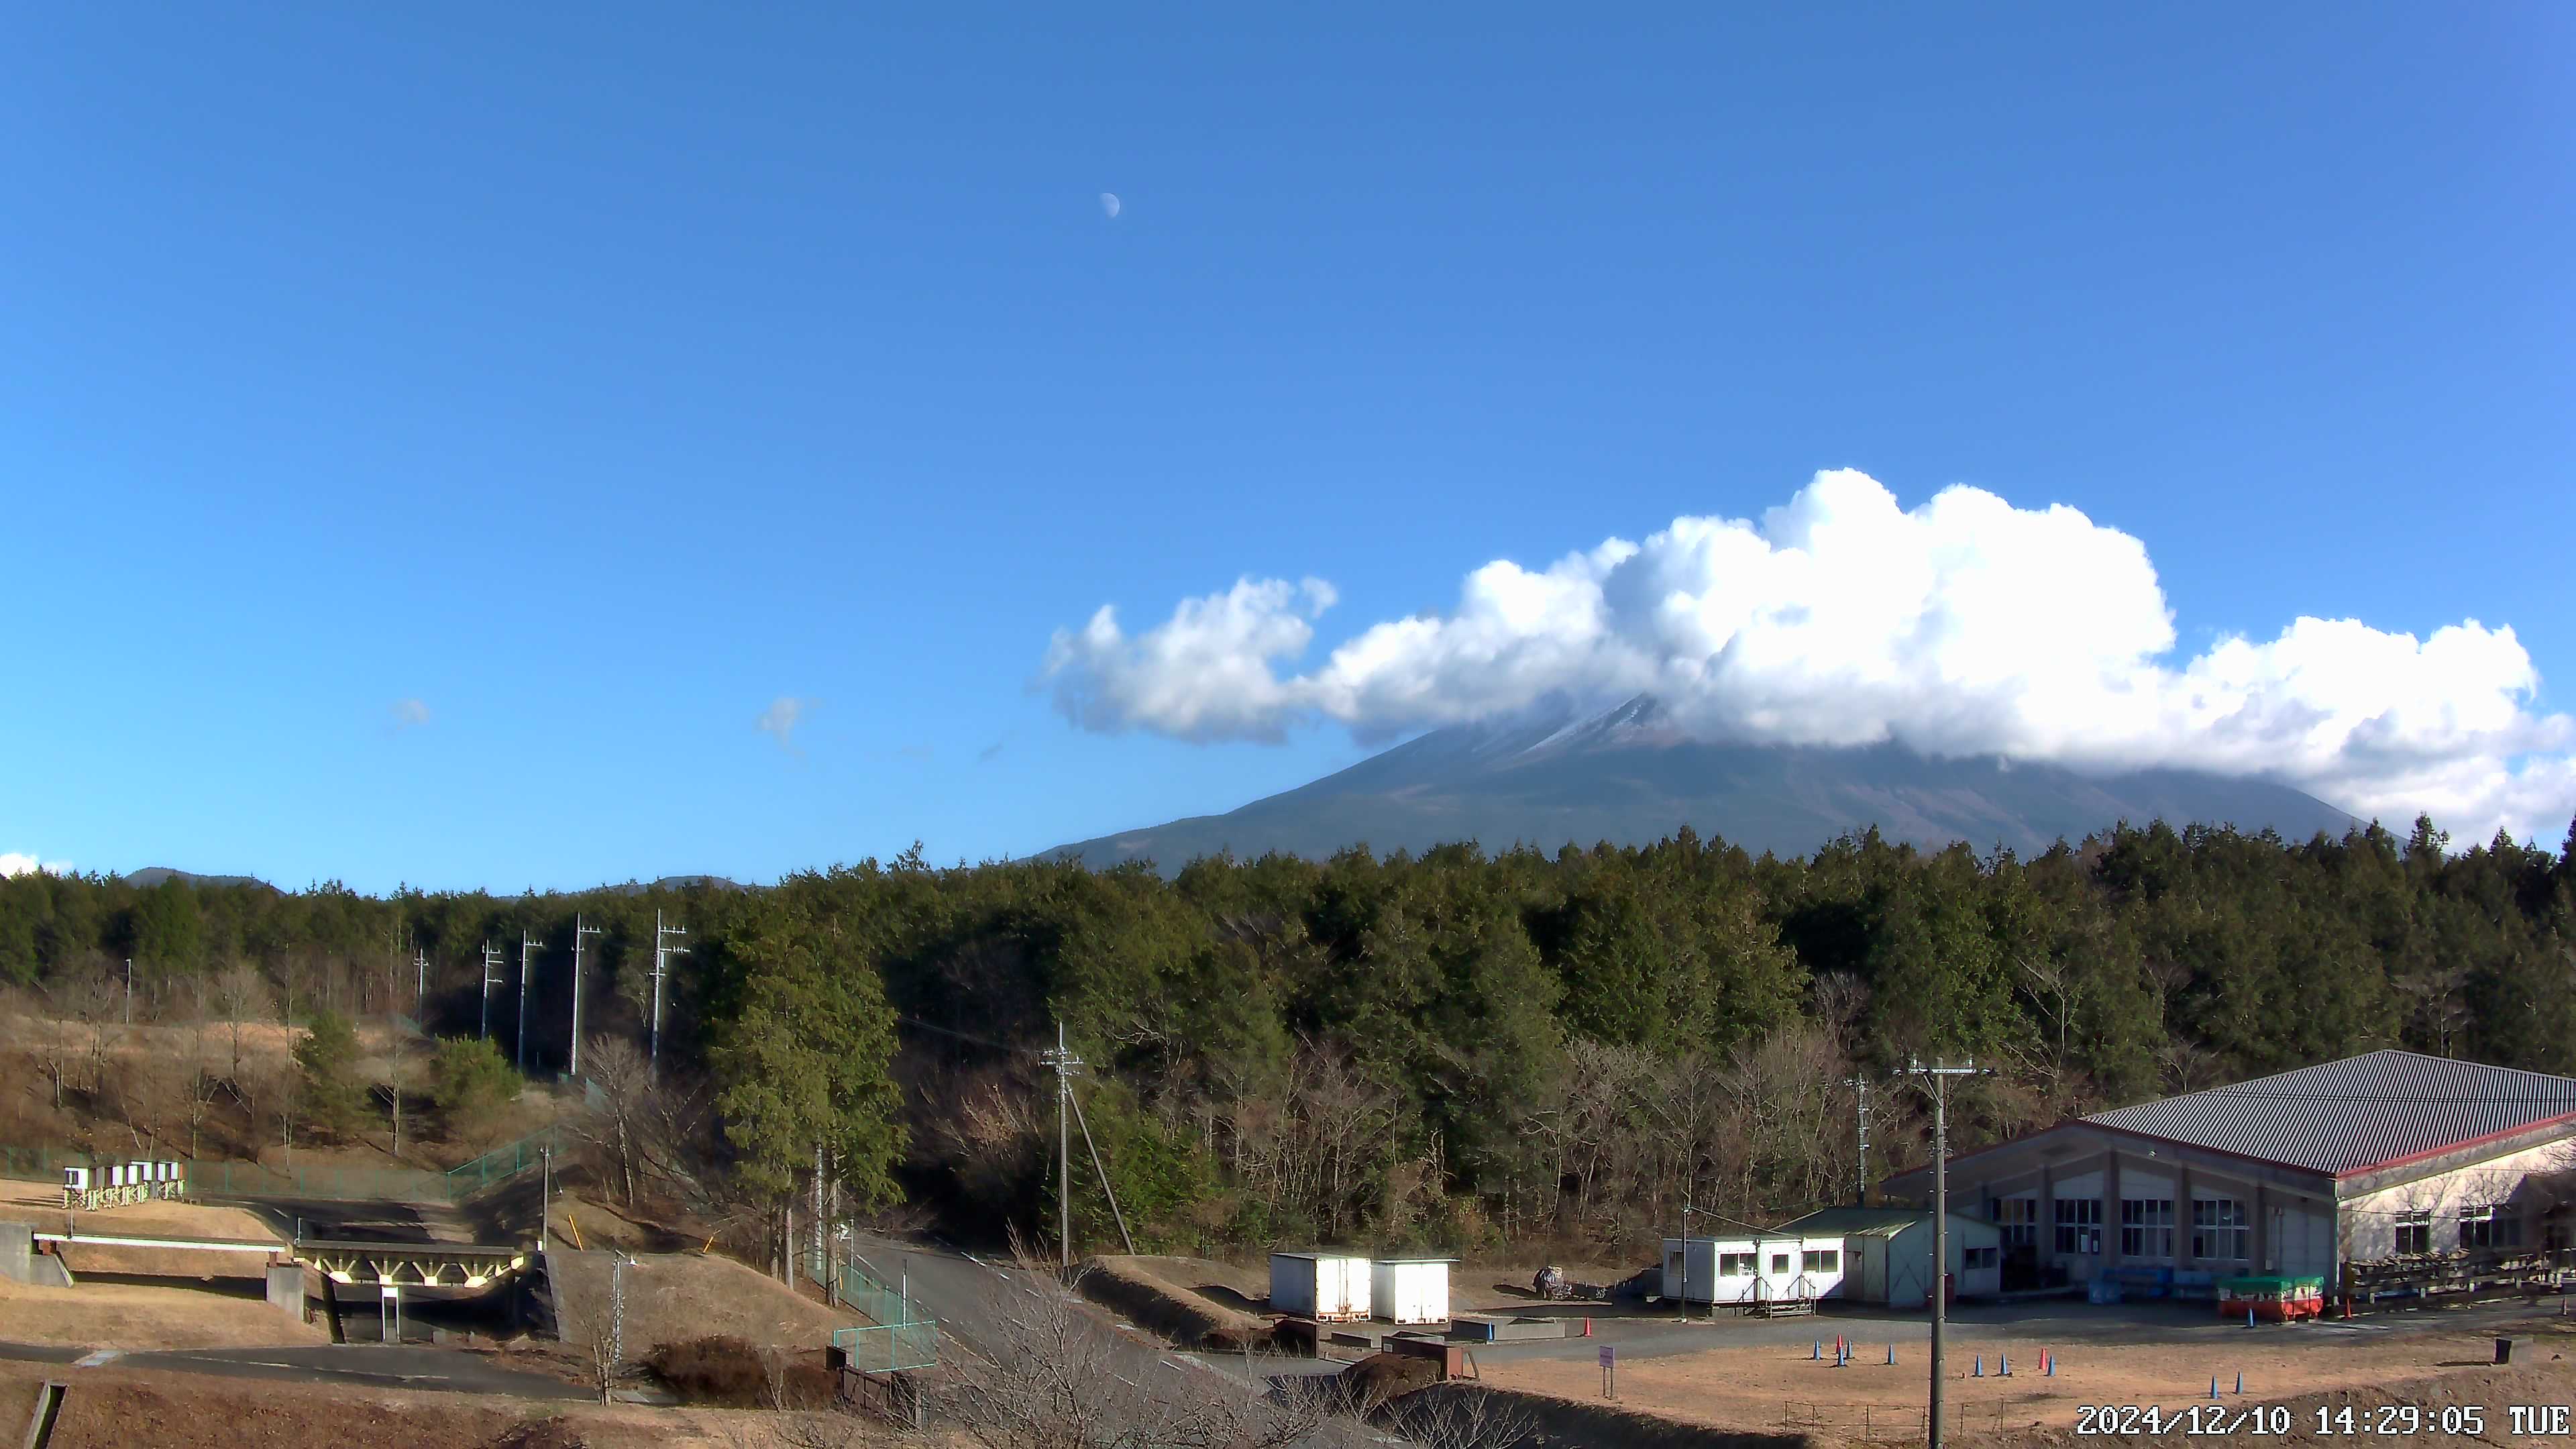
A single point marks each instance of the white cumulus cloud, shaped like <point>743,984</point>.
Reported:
<point>409,712</point>
<point>1962,626</point>
<point>780,720</point>
<point>13,863</point>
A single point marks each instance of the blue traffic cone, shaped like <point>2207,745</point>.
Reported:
<point>1891,1354</point>
<point>1980,1370</point>
<point>2048,1365</point>
<point>2240,1381</point>
<point>2003,1365</point>
<point>1819,1353</point>
<point>2249,1318</point>
<point>2213,1386</point>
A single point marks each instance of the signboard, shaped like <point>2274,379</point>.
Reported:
<point>1609,1356</point>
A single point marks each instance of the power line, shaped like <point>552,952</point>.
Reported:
<point>1937,1078</point>
<point>579,930</point>
<point>661,957</point>
<point>525,946</point>
<point>491,978</point>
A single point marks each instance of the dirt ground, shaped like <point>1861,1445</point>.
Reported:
<point>673,1297</point>
<point>135,1317</point>
<point>106,1409</point>
<point>1771,1388</point>
<point>41,1203</point>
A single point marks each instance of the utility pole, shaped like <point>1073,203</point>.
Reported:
<point>524,947</point>
<point>661,964</point>
<point>1860,1187</point>
<point>1065,1064</point>
<point>491,978</point>
<point>579,930</point>
<point>419,981</point>
<point>1936,1079</point>
<point>129,991</point>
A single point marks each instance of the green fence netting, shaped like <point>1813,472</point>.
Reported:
<point>210,1177</point>
<point>882,1348</point>
<point>900,1337</point>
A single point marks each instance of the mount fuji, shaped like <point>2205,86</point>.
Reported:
<point>1629,776</point>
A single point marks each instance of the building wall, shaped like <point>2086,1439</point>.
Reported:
<point>1698,1275</point>
<point>2371,1218</point>
<point>2090,1201</point>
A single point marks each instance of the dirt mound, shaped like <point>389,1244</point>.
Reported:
<point>1191,1320</point>
<point>678,1297</point>
<point>1381,1377</point>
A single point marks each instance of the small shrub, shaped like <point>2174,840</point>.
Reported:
<point>473,1085</point>
<point>732,1372</point>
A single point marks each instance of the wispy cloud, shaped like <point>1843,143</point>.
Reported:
<point>780,720</point>
<point>1962,626</point>
<point>409,713</point>
<point>13,863</point>
<point>991,752</point>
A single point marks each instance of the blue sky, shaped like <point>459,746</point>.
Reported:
<point>597,377</point>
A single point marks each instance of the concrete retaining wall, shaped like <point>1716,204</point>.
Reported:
<point>21,1263</point>
<point>286,1289</point>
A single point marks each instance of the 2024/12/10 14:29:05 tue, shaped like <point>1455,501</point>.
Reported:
<point>2394,1420</point>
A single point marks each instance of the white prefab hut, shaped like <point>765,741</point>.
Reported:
<point>1754,1270</point>
<point>1410,1290</point>
<point>1326,1287</point>
<point>1887,1254</point>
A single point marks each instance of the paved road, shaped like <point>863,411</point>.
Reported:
<point>373,1366</point>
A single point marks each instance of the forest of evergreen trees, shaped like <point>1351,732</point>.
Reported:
<point>1454,1049</point>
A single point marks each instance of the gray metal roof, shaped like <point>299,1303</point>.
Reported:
<point>1860,1222</point>
<point>2359,1112</point>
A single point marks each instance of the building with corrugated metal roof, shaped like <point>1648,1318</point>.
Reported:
<point>1887,1254</point>
<point>2378,1156</point>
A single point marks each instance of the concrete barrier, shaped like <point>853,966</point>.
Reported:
<point>286,1289</point>
<point>21,1263</point>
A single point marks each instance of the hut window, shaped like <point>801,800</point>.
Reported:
<point>2415,1232</point>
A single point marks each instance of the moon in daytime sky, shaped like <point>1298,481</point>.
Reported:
<point>1109,205</point>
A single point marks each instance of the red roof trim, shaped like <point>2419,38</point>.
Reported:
<point>2539,1125</point>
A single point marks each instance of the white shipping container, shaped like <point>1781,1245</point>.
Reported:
<point>1325,1287</point>
<point>1410,1290</point>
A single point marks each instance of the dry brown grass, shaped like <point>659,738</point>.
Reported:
<point>1138,1288</point>
<point>136,1318</point>
<point>109,1408</point>
<point>675,1297</point>
<point>41,1203</point>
